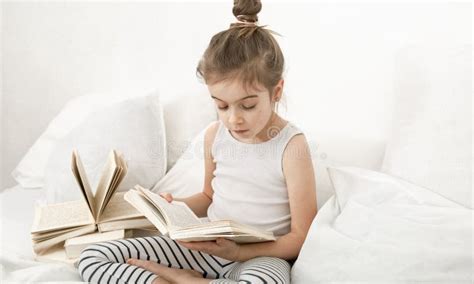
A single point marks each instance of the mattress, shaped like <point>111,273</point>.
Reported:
<point>17,262</point>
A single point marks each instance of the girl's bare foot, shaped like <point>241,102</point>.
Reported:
<point>169,275</point>
<point>184,276</point>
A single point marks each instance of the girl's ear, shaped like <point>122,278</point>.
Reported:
<point>278,90</point>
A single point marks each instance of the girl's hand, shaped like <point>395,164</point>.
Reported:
<point>167,196</point>
<point>224,248</point>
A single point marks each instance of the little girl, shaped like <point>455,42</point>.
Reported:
<point>258,171</point>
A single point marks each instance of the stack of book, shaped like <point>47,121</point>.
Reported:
<point>60,231</point>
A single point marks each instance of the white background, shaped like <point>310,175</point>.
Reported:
<point>340,57</point>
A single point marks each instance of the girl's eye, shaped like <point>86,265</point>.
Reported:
<point>248,107</point>
<point>244,107</point>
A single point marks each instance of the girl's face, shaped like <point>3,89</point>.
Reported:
<point>246,115</point>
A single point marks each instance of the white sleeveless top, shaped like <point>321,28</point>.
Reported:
<point>249,186</point>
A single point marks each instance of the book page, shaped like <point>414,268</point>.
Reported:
<point>117,179</point>
<point>229,225</point>
<point>111,189</point>
<point>39,237</point>
<point>95,238</point>
<point>118,209</point>
<point>60,216</point>
<point>123,165</point>
<point>223,228</point>
<point>106,178</point>
<point>123,169</point>
<point>135,223</point>
<point>152,213</point>
<point>41,247</point>
<point>177,214</point>
<point>241,239</point>
<point>84,185</point>
<point>77,176</point>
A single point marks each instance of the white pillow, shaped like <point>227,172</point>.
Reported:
<point>186,177</point>
<point>186,114</point>
<point>431,137</point>
<point>29,173</point>
<point>371,188</point>
<point>328,150</point>
<point>134,127</point>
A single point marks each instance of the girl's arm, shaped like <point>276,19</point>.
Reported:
<point>200,202</point>
<point>299,175</point>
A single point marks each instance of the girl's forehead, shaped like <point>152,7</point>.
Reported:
<point>233,91</point>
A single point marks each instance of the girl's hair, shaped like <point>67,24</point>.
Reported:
<point>245,51</point>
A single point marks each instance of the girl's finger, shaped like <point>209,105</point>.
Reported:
<point>187,245</point>
<point>167,196</point>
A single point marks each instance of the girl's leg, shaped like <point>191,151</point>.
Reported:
<point>106,262</point>
<point>257,270</point>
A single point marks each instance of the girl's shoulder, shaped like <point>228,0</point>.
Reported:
<point>210,134</point>
<point>211,130</point>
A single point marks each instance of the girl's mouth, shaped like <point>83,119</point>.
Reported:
<point>240,131</point>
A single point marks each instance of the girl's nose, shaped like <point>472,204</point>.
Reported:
<point>235,117</point>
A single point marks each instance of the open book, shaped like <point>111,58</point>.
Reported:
<point>55,223</point>
<point>179,222</point>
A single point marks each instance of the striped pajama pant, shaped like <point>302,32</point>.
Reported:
<point>106,263</point>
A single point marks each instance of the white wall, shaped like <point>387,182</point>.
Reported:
<point>339,57</point>
<point>2,161</point>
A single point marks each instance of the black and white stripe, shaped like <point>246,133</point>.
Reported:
<point>106,263</point>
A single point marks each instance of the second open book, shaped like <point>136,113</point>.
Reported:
<point>179,222</point>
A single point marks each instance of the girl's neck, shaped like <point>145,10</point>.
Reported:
<point>274,125</point>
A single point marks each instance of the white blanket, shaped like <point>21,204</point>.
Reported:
<point>381,229</point>
<point>16,255</point>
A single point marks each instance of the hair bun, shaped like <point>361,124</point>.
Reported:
<point>247,10</point>
<point>247,18</point>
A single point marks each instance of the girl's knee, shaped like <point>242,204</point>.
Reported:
<point>93,256</point>
<point>281,263</point>
<point>265,270</point>
<point>97,252</point>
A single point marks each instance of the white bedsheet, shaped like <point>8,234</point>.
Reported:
<point>16,254</point>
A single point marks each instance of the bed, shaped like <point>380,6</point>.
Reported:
<point>388,212</point>
<point>370,232</point>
